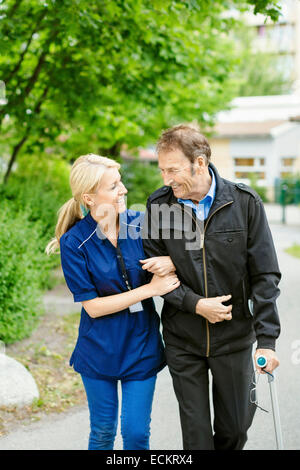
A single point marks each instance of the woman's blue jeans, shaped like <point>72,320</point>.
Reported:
<point>137,397</point>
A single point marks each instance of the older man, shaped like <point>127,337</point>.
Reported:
<point>218,237</point>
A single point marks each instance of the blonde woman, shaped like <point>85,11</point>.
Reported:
<point>119,336</point>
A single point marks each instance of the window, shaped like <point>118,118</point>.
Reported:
<point>241,174</point>
<point>285,174</point>
<point>247,167</point>
<point>244,161</point>
<point>261,30</point>
<point>287,161</point>
<point>249,174</point>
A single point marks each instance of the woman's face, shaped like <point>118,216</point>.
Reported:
<point>109,198</point>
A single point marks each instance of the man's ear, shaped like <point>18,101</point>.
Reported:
<point>200,163</point>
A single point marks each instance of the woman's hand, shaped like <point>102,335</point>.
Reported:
<point>160,265</point>
<point>161,285</point>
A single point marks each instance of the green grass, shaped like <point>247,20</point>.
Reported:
<point>294,250</point>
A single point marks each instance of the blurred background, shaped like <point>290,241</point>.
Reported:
<point>107,77</point>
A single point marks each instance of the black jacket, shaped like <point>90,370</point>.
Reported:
<point>232,252</point>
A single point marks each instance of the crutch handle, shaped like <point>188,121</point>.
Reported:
<point>261,361</point>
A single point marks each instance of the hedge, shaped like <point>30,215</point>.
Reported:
<point>21,266</point>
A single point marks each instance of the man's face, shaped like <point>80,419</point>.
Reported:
<point>177,172</point>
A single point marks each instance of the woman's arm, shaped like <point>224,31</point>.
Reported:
<point>101,306</point>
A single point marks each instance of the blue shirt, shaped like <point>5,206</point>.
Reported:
<point>122,345</point>
<point>203,207</point>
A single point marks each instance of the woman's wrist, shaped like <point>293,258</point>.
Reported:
<point>147,291</point>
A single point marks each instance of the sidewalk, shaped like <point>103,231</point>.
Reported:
<point>275,213</point>
<point>69,431</point>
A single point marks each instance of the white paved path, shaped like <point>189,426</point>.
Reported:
<point>70,430</point>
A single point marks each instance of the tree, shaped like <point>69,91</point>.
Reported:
<point>88,76</point>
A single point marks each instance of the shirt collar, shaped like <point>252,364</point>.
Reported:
<point>123,216</point>
<point>212,190</point>
<point>92,222</point>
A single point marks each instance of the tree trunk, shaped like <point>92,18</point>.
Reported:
<point>14,8</point>
<point>20,144</point>
<point>14,154</point>
<point>19,63</point>
<point>32,80</point>
<point>113,151</point>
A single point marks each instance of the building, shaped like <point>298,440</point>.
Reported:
<point>259,137</point>
<point>281,38</point>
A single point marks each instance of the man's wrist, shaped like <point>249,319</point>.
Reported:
<point>190,302</point>
<point>266,342</point>
<point>198,308</point>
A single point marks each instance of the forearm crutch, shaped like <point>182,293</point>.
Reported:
<point>262,362</point>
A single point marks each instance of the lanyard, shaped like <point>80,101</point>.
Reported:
<point>138,306</point>
<point>123,267</point>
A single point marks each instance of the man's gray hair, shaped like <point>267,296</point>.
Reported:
<point>188,139</point>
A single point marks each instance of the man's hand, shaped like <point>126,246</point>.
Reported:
<point>272,360</point>
<point>213,310</point>
<point>160,265</point>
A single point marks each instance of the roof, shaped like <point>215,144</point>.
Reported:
<point>261,108</point>
<point>241,129</point>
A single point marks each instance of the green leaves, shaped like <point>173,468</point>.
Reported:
<point>83,77</point>
<point>270,9</point>
<point>20,266</point>
<point>112,71</point>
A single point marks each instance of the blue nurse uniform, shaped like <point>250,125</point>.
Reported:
<point>122,345</point>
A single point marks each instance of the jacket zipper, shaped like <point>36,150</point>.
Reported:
<point>205,276</point>
<point>204,267</point>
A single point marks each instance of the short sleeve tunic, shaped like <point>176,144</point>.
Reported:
<point>122,345</point>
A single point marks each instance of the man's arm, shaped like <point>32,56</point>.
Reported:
<point>264,276</point>
<point>183,298</point>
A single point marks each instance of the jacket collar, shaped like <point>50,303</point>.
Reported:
<point>223,192</point>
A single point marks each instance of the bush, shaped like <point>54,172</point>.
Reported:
<point>261,190</point>
<point>22,265</point>
<point>31,199</point>
<point>287,190</point>
<point>38,189</point>
<point>141,179</point>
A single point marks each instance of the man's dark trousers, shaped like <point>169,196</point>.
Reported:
<point>231,384</point>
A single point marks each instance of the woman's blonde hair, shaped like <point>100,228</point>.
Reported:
<point>85,177</point>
